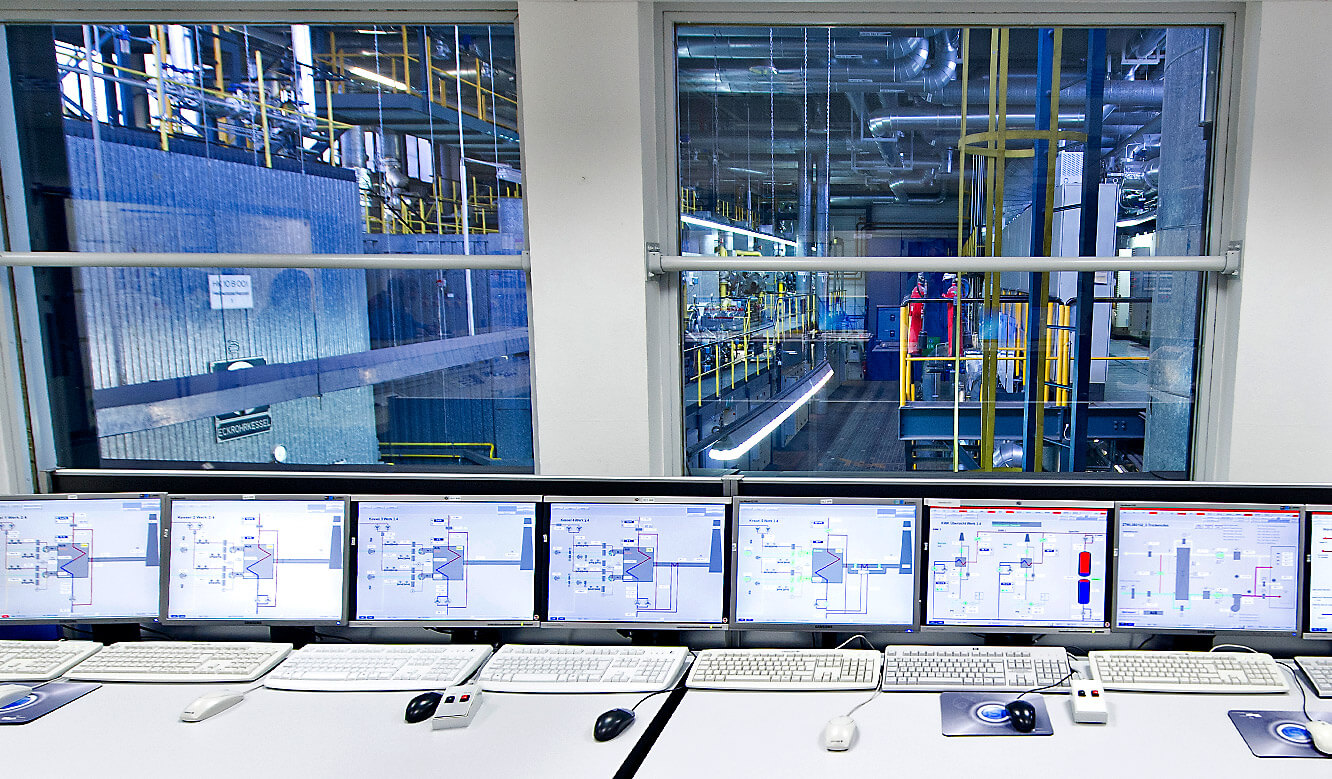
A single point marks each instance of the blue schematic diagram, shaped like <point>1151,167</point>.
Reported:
<point>456,560</point>
<point>813,563</point>
<point>634,563</point>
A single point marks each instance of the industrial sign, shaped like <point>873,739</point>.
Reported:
<point>230,291</point>
<point>247,422</point>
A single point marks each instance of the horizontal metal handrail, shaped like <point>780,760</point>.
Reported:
<point>201,260</point>
<point>1226,263</point>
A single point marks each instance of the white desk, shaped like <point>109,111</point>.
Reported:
<point>134,730</point>
<point>1149,734</point>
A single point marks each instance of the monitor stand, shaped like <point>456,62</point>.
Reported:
<point>1010,639</point>
<point>1183,643</point>
<point>648,637</point>
<point>296,636</point>
<point>111,634</point>
<point>489,636</point>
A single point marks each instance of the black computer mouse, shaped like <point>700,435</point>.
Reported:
<point>1022,715</point>
<point>422,706</point>
<point>611,724</point>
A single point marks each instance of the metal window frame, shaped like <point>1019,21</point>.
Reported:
<point>1227,171</point>
<point>35,403</point>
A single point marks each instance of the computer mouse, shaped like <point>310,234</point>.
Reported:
<point>12,693</point>
<point>611,724</point>
<point>209,704</point>
<point>422,707</point>
<point>1022,715</point>
<point>838,734</point>
<point>1321,733</point>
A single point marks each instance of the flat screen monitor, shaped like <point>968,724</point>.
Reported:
<point>1208,569</point>
<point>467,561</point>
<point>826,564</point>
<point>273,559</point>
<point>1318,581</point>
<point>1017,566</point>
<point>79,558</point>
<point>636,561</point>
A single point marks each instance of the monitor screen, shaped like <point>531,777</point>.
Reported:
<point>645,562</point>
<point>1019,566</point>
<point>445,561</point>
<point>826,563</point>
<point>266,560</point>
<point>1320,571</point>
<point>1210,569</point>
<point>87,559</point>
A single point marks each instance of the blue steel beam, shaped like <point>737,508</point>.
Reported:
<point>1033,415</point>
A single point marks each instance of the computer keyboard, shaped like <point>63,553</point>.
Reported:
<point>1170,671</point>
<point>180,661</point>
<point>548,668</point>
<point>987,668</point>
<point>1318,670</point>
<point>351,667</point>
<point>39,661</point>
<point>785,669</point>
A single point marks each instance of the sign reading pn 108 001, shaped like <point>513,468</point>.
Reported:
<point>246,422</point>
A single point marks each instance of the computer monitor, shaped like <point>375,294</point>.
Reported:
<point>1191,568</point>
<point>1017,566</point>
<point>462,561</point>
<point>272,559</point>
<point>1318,579</point>
<point>656,562</point>
<point>826,564</point>
<point>79,558</point>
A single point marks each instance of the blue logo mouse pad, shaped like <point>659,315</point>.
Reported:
<point>44,699</point>
<point>1274,733</point>
<point>983,714</point>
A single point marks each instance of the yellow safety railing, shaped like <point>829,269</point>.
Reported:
<point>490,448</point>
<point>766,321</point>
<point>439,213</point>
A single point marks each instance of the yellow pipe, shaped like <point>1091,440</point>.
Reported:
<point>263,108</point>
<point>406,62</point>
<point>163,102</point>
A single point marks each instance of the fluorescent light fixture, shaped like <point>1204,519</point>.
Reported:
<point>734,452</point>
<point>373,76</point>
<point>1135,221</point>
<point>693,220</point>
<point>373,32</point>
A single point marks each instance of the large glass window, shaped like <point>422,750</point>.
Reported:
<point>223,139</point>
<point>843,142</point>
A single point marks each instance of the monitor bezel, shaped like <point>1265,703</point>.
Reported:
<point>551,500</point>
<point>353,581</point>
<point>166,560</point>
<point>954,627</point>
<point>1300,546</point>
<point>161,522</point>
<point>826,627</point>
<point>1306,626</point>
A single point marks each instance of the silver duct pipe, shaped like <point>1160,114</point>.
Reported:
<point>1023,90</point>
<point>1145,43</point>
<point>887,122</point>
<point>946,58</point>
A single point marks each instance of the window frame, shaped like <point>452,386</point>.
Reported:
<point>1216,318</point>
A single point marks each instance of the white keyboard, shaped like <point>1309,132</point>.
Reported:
<point>548,668</point>
<point>39,661</point>
<point>180,661</point>
<point>986,668</point>
<point>1318,670</point>
<point>1169,671</point>
<point>786,669</point>
<point>351,667</point>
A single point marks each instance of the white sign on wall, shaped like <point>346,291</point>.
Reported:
<point>229,291</point>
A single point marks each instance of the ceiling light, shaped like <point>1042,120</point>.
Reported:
<point>373,76</point>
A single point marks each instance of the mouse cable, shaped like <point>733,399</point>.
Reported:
<point>1233,646</point>
<point>1067,676</point>
<point>672,688</point>
<point>1304,699</point>
<point>860,636</point>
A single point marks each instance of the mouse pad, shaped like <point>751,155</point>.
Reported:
<point>983,714</point>
<point>43,700</point>
<point>1274,733</point>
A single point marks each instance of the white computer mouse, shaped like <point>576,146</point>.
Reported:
<point>838,734</point>
<point>1321,732</point>
<point>209,704</point>
<point>10,693</point>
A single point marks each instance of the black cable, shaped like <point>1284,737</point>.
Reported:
<point>1067,676</point>
<point>1145,642</point>
<point>1304,698</point>
<point>167,636</point>
<point>649,695</point>
<point>330,635</point>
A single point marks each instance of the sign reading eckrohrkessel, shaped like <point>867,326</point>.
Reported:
<point>247,422</point>
<point>230,291</point>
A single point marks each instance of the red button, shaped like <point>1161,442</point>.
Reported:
<point>1096,693</point>
<point>464,699</point>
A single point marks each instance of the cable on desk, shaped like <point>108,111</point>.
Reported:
<point>1304,698</point>
<point>1067,676</point>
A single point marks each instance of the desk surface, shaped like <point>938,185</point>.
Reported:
<point>778,734</point>
<point>134,729</point>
